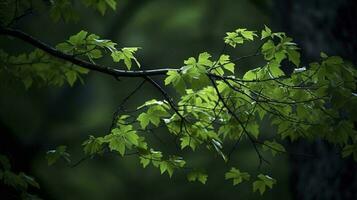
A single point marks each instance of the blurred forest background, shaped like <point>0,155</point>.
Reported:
<point>34,121</point>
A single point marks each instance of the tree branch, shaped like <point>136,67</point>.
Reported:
<point>165,95</point>
<point>85,64</point>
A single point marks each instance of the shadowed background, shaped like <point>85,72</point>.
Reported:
<point>34,121</point>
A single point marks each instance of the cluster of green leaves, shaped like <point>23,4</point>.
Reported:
<point>92,47</point>
<point>194,73</point>
<point>156,110</point>
<point>260,184</point>
<point>237,176</point>
<point>64,9</point>
<point>193,70</point>
<point>125,140</point>
<point>216,107</point>
<point>197,176</point>
<point>239,36</point>
<point>276,52</point>
<point>39,67</point>
<point>18,181</point>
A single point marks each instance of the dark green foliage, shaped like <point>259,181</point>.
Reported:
<point>20,182</point>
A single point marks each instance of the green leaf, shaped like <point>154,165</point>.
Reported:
<point>190,61</point>
<point>156,111</point>
<point>177,81</point>
<point>233,39</point>
<point>111,3</point>
<point>102,7</point>
<point>217,145</point>
<point>142,145</point>
<point>154,102</point>
<point>294,57</point>
<point>171,164</point>
<point>65,47</point>
<point>224,60</point>
<point>266,32</point>
<point>274,69</point>
<point>188,141</point>
<point>151,156</point>
<point>121,138</point>
<point>92,145</point>
<point>79,38</point>
<point>239,36</point>
<point>144,161</point>
<point>63,10</point>
<point>274,147</point>
<point>249,35</point>
<point>117,143</point>
<point>268,50</point>
<point>251,75</point>
<point>117,56</point>
<point>237,176</point>
<point>197,175</point>
<point>132,138</point>
<point>166,166</point>
<point>262,183</point>
<point>54,155</point>
<point>259,186</point>
<point>203,59</point>
<point>95,54</point>
<point>71,77</point>
<point>144,120</point>
<point>127,55</point>
<point>253,129</point>
<point>323,55</point>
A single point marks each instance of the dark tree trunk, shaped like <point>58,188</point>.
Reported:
<point>329,26</point>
